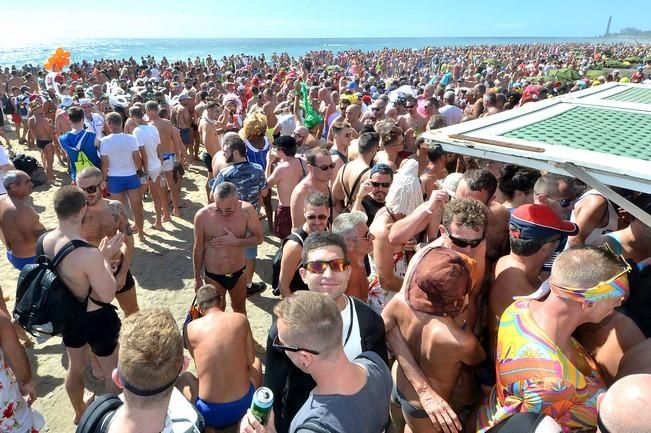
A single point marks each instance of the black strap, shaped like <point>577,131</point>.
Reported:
<point>314,426</point>
<point>349,195</point>
<point>335,152</point>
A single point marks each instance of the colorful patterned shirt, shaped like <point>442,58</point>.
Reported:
<point>248,178</point>
<point>534,375</point>
<point>15,415</point>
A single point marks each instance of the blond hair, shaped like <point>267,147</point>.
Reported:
<point>254,124</point>
<point>151,352</point>
<point>313,321</point>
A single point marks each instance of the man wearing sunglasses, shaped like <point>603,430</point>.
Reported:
<point>534,234</point>
<point>373,191</point>
<point>326,270</point>
<point>412,120</point>
<point>538,359</point>
<point>106,218</point>
<point>320,170</point>
<point>557,193</point>
<point>351,394</point>
<point>353,173</point>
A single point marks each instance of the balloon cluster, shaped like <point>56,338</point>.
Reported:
<point>58,60</point>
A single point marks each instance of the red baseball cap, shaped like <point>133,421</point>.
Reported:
<point>535,221</point>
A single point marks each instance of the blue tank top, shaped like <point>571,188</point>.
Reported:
<point>255,155</point>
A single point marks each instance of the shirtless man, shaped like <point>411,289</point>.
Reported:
<point>106,218</point>
<point>221,395</point>
<point>319,174</point>
<point>420,329</point>
<point>481,185</point>
<point>211,129</point>
<point>222,232</point>
<point>342,134</point>
<point>435,171</point>
<point>286,171</point>
<point>62,125</point>
<point>412,120</point>
<point>86,272</point>
<point>19,222</point>
<point>170,148</point>
<point>351,175</point>
<point>595,216</point>
<point>534,234</point>
<point>43,132</point>
<point>182,119</point>
<point>268,108</point>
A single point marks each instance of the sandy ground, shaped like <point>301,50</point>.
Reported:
<point>162,267</point>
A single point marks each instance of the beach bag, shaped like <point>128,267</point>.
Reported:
<point>82,162</point>
<point>278,258</point>
<point>30,165</point>
<point>44,305</point>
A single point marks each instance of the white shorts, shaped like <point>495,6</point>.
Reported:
<point>168,165</point>
<point>153,173</point>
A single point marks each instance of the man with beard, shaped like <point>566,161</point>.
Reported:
<point>106,218</point>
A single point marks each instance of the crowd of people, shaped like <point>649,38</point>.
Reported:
<point>419,290</point>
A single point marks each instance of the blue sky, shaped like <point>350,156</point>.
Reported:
<point>50,20</point>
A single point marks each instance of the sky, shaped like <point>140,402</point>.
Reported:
<point>50,20</point>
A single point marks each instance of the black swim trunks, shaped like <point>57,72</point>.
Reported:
<point>129,283</point>
<point>207,159</point>
<point>42,143</point>
<point>99,329</point>
<point>227,281</point>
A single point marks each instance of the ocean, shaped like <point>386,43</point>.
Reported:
<point>182,48</point>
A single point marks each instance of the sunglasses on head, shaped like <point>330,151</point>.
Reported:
<point>278,346</point>
<point>464,243</point>
<point>320,266</point>
<point>91,189</point>
<point>564,202</point>
<point>325,167</point>
<point>381,184</point>
<point>320,217</point>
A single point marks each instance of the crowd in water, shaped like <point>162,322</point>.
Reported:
<point>417,290</point>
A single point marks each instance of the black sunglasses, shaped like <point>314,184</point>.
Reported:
<point>320,217</point>
<point>91,189</point>
<point>325,167</point>
<point>276,345</point>
<point>463,243</point>
<point>381,184</point>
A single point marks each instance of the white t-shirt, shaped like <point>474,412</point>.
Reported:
<point>119,148</point>
<point>4,159</point>
<point>350,333</point>
<point>287,124</point>
<point>148,136</point>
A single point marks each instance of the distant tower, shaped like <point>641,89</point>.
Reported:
<point>610,20</point>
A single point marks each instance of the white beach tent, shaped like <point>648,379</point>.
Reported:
<point>600,135</point>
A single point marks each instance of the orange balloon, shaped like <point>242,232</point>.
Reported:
<point>59,51</point>
<point>47,66</point>
<point>66,54</point>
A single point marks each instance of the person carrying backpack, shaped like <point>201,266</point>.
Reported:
<point>85,271</point>
<point>285,264</point>
<point>80,144</point>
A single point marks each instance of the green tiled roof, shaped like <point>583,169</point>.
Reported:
<point>602,130</point>
<point>633,94</point>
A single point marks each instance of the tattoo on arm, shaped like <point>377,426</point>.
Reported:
<point>120,217</point>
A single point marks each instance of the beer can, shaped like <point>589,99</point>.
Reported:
<point>263,400</point>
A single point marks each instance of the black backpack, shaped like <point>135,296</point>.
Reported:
<point>44,305</point>
<point>7,106</point>
<point>30,165</point>
<point>97,417</point>
<point>278,258</point>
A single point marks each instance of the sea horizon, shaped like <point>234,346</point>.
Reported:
<point>180,48</point>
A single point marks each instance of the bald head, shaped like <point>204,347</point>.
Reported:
<point>625,407</point>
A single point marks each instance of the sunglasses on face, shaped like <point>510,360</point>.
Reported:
<point>409,106</point>
<point>350,136</point>
<point>320,266</point>
<point>278,346</point>
<point>91,189</point>
<point>325,167</point>
<point>367,237</point>
<point>320,217</point>
<point>381,184</point>
<point>464,243</point>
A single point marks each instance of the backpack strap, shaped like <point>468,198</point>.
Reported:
<point>313,426</point>
<point>101,409</point>
<point>349,195</point>
<point>67,249</point>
